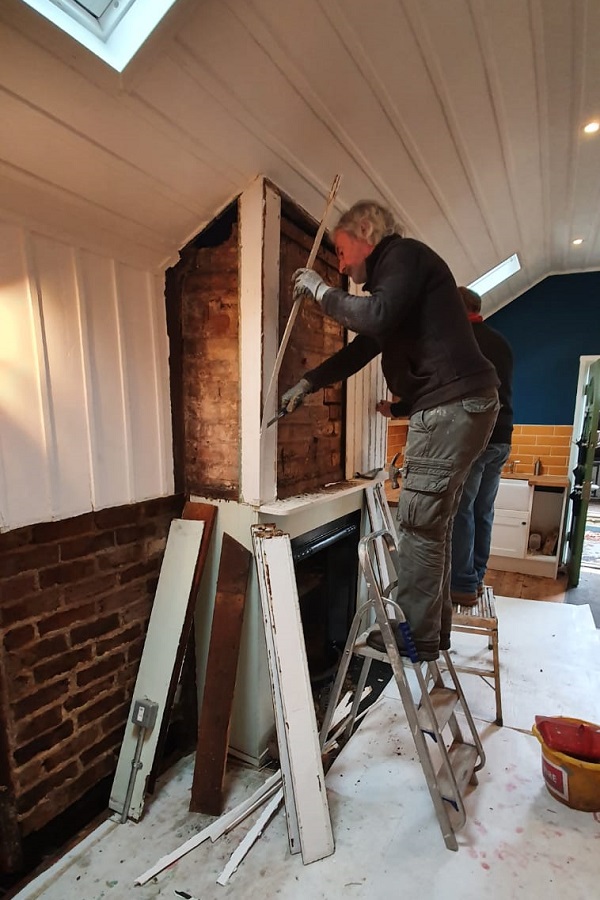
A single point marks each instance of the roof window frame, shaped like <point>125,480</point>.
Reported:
<point>116,35</point>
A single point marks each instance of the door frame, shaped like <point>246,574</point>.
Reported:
<point>584,365</point>
<point>583,473</point>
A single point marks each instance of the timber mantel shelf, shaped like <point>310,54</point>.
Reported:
<point>325,495</point>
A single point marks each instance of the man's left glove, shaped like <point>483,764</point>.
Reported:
<point>294,397</point>
<point>306,281</point>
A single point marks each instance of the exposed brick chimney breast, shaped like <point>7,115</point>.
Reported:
<point>310,442</point>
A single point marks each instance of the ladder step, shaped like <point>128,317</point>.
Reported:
<point>443,700</point>
<point>362,648</point>
<point>463,759</point>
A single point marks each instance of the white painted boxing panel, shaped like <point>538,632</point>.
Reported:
<point>160,341</point>
<point>158,657</point>
<point>111,459</point>
<point>278,708</point>
<point>61,363</point>
<point>312,809</point>
<point>24,474</point>
<point>138,349</point>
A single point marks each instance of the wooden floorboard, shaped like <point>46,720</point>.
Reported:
<point>527,587</point>
<point>534,587</point>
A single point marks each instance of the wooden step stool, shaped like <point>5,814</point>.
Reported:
<point>482,619</point>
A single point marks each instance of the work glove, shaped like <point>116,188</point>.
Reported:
<point>294,397</point>
<point>307,281</point>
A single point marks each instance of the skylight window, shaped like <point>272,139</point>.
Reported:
<point>496,275</point>
<point>112,29</point>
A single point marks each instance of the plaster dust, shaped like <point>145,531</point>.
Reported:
<point>518,841</point>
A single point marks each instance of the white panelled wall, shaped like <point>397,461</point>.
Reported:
<point>84,396</point>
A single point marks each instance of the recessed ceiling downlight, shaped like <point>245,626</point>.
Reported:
<point>591,127</point>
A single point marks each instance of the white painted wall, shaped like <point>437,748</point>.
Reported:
<point>84,401</point>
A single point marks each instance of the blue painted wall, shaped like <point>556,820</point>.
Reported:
<point>549,327</point>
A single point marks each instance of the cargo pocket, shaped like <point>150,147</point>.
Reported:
<point>424,500</point>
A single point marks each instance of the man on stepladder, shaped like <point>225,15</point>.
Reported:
<point>414,317</point>
<point>472,534</point>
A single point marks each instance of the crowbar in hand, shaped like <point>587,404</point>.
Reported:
<point>298,301</point>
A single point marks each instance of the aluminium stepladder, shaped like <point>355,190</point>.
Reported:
<point>432,715</point>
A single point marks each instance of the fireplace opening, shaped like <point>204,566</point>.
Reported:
<point>326,567</point>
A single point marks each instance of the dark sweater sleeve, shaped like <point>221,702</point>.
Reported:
<point>347,361</point>
<point>399,409</point>
<point>396,288</point>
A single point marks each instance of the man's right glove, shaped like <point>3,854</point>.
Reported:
<point>309,283</point>
<point>294,397</point>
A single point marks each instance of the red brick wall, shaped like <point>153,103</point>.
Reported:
<point>310,449</point>
<point>75,599</point>
<point>210,369</point>
<point>396,439</point>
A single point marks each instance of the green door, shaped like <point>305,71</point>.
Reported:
<point>583,473</point>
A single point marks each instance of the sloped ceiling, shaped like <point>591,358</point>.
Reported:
<point>465,116</point>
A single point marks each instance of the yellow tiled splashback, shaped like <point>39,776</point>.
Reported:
<point>551,444</point>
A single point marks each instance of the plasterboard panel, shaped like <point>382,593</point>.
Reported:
<point>111,459</point>
<point>24,478</point>
<point>136,317</point>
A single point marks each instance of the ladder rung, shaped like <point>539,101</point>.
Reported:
<point>443,700</point>
<point>463,759</point>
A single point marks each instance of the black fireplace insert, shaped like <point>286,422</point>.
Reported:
<point>326,567</point>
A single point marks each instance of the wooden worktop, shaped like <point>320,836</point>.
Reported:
<point>561,481</point>
<point>539,480</point>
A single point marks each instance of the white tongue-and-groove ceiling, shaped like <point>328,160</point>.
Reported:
<point>465,116</point>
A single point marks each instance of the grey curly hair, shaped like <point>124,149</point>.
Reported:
<point>369,220</point>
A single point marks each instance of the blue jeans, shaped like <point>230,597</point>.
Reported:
<point>441,446</point>
<point>472,534</point>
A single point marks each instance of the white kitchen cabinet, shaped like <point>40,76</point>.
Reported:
<point>526,507</point>
<point>510,533</point>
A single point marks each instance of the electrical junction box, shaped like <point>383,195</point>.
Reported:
<point>144,713</point>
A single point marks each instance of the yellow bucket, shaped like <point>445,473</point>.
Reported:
<point>572,781</point>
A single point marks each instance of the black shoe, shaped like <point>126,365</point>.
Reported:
<point>462,598</point>
<point>375,640</point>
